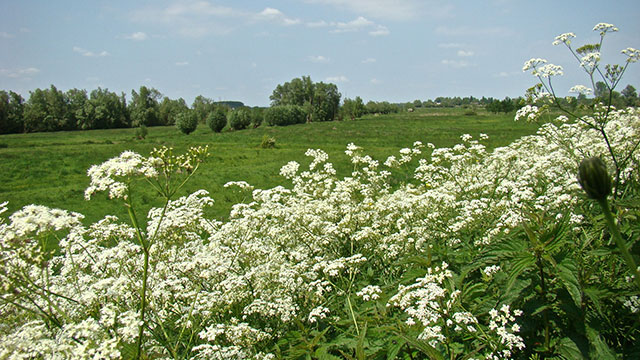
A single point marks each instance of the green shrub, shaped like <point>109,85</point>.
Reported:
<point>141,132</point>
<point>268,142</point>
<point>239,118</point>
<point>257,115</point>
<point>187,122</point>
<point>284,115</point>
<point>217,120</point>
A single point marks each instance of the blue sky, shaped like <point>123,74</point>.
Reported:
<point>393,50</point>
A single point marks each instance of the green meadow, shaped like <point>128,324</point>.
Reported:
<point>50,168</point>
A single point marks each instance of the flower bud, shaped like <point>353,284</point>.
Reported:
<point>594,178</point>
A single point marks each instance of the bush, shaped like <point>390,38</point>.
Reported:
<point>141,132</point>
<point>187,122</point>
<point>217,120</point>
<point>268,142</point>
<point>239,118</point>
<point>257,114</point>
<point>284,115</point>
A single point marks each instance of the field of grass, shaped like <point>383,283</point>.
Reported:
<point>50,168</point>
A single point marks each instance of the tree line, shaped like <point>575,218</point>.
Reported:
<point>297,101</point>
<point>54,110</point>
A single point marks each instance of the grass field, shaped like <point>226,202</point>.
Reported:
<point>50,168</point>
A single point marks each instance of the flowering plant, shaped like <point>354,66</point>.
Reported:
<point>482,255</point>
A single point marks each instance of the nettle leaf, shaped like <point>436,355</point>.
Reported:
<point>567,273</point>
<point>520,264</point>
<point>396,344</point>
<point>425,348</point>
<point>568,349</point>
<point>599,349</point>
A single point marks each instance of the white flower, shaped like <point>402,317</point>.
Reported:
<point>564,38</point>
<point>369,292</point>
<point>528,112</point>
<point>633,55</point>
<point>581,89</point>
<point>604,28</point>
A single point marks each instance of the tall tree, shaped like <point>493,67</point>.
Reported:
<point>46,110</point>
<point>144,107</point>
<point>630,95</point>
<point>202,107</point>
<point>11,113</point>
<point>168,109</point>
<point>105,110</point>
<point>318,99</point>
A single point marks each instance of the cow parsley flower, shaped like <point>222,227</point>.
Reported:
<point>604,28</point>
<point>369,292</point>
<point>564,39</point>
<point>114,174</point>
<point>633,55</point>
<point>581,89</point>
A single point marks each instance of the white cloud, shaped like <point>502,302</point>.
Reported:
<point>182,63</point>
<point>5,35</point>
<point>379,31</point>
<point>368,60</point>
<point>337,79</point>
<point>375,81</point>
<point>88,53</point>
<point>463,53</point>
<point>352,25</point>
<point>277,16</point>
<point>319,59</point>
<point>137,36</point>
<point>24,73</point>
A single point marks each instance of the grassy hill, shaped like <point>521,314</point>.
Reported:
<point>50,168</point>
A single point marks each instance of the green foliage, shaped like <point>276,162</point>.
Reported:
<point>217,119</point>
<point>239,118</point>
<point>202,106</point>
<point>283,115</point>
<point>321,101</point>
<point>141,132</point>
<point>11,112</point>
<point>168,109</point>
<point>144,107</point>
<point>353,109</point>
<point>187,122</point>
<point>268,142</point>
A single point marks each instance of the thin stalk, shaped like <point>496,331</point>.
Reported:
<point>545,315</point>
<point>615,232</point>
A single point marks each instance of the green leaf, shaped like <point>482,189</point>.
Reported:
<point>599,349</point>
<point>322,353</point>
<point>396,344</point>
<point>568,349</point>
<point>521,263</point>
<point>426,349</point>
<point>567,273</point>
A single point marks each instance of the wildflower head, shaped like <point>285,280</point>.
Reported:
<point>594,178</point>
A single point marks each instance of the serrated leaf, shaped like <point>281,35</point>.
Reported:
<point>569,349</point>
<point>393,350</point>
<point>567,270</point>
<point>599,349</point>
<point>426,349</point>
<point>322,353</point>
<point>518,266</point>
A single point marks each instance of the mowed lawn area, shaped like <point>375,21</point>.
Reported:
<point>50,168</point>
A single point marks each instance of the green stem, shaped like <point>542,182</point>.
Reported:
<point>615,232</point>
<point>545,315</point>
<point>353,316</point>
